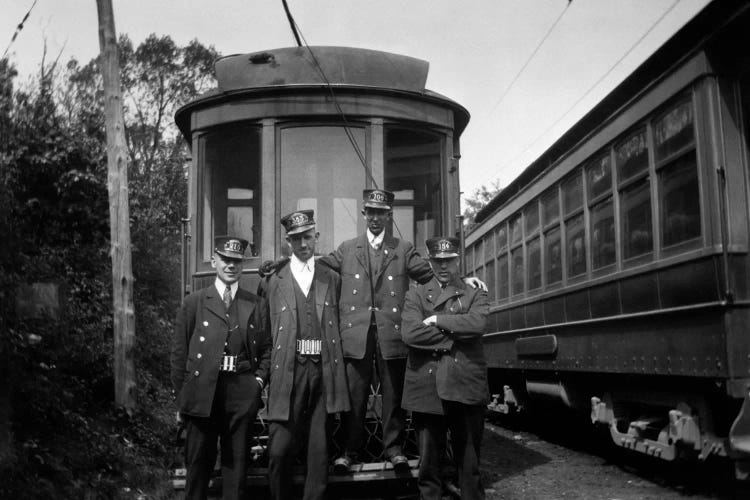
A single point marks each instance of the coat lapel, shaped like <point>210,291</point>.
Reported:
<point>321,290</point>
<point>286,288</point>
<point>361,253</point>
<point>389,253</point>
<point>449,292</point>
<point>244,307</point>
<point>214,303</point>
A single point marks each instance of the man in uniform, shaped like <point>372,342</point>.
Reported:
<point>308,378</point>
<point>375,271</point>
<point>446,374</point>
<point>219,364</point>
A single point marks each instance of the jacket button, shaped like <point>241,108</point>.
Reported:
<point>352,308</point>
<point>203,339</point>
<point>455,359</point>
<point>330,323</point>
<point>335,360</point>
<point>252,326</point>
<point>356,276</point>
<point>349,325</point>
<point>255,359</point>
<point>199,355</point>
<point>278,347</point>
<point>283,308</point>
<point>429,371</point>
<point>281,328</point>
<point>396,326</point>
<point>393,294</point>
<point>333,341</point>
<point>354,292</point>
<point>276,367</point>
<point>253,341</point>
<point>395,309</point>
<point>197,373</point>
<point>326,302</point>
<point>205,323</point>
<point>390,278</point>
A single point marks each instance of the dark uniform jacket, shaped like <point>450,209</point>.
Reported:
<point>384,292</point>
<point>198,345</point>
<point>446,362</point>
<point>279,291</point>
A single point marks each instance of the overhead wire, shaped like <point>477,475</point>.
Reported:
<point>329,86</point>
<point>19,27</point>
<point>528,60</point>
<point>591,88</point>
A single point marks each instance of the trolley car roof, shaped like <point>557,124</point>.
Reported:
<point>294,70</point>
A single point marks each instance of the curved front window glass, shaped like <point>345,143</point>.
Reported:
<point>412,172</point>
<point>231,158</point>
<point>320,170</point>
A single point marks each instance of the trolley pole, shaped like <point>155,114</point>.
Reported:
<point>119,212</point>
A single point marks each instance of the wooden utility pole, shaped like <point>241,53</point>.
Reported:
<point>119,213</point>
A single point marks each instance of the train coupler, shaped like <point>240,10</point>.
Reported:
<point>508,405</point>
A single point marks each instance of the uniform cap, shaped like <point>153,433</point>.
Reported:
<point>378,198</point>
<point>443,247</point>
<point>230,247</point>
<point>298,222</point>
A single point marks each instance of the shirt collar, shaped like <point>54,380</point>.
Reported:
<point>221,286</point>
<point>375,239</point>
<point>302,266</point>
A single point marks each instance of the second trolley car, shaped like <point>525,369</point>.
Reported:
<point>618,261</point>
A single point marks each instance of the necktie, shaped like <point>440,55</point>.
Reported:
<point>227,297</point>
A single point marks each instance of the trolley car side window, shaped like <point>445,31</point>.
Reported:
<point>631,162</point>
<point>231,182</point>
<point>678,175</point>
<point>601,206</point>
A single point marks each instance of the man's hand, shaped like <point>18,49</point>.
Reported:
<point>475,282</point>
<point>431,321</point>
<point>270,266</point>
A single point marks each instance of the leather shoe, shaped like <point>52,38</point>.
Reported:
<point>341,465</point>
<point>400,463</point>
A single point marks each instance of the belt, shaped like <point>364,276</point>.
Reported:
<point>233,363</point>
<point>309,347</point>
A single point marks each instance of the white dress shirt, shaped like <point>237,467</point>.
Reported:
<point>221,286</point>
<point>303,272</point>
<point>375,241</point>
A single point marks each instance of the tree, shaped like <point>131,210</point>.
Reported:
<point>55,226</point>
<point>478,199</point>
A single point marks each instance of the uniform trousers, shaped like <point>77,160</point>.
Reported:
<point>466,424</point>
<point>307,425</point>
<point>236,402</point>
<point>359,373</point>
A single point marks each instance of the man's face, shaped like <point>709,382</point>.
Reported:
<point>445,270</point>
<point>377,219</point>
<point>228,270</point>
<point>303,244</point>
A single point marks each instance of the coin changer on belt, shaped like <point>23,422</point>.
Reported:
<point>309,347</point>
<point>228,363</point>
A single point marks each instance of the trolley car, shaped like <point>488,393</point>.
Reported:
<point>300,128</point>
<point>618,261</point>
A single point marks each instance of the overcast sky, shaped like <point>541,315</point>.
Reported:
<point>475,48</point>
